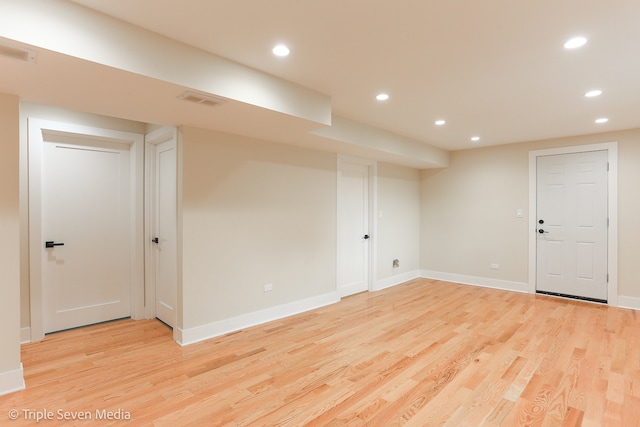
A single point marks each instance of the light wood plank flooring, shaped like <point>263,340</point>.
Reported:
<point>419,354</point>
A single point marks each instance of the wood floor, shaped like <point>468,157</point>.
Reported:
<point>419,354</point>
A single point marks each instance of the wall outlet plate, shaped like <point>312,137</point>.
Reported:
<point>268,287</point>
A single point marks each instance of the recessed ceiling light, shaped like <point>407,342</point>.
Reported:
<point>281,50</point>
<point>593,93</point>
<point>575,43</point>
<point>440,122</point>
<point>382,97</point>
<point>475,138</point>
<point>602,120</point>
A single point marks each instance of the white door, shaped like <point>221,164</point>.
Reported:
<point>85,193</point>
<point>572,225</point>
<point>165,231</point>
<point>353,228</point>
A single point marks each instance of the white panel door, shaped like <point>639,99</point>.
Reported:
<point>572,225</point>
<point>86,207</point>
<point>353,233</point>
<point>165,232</point>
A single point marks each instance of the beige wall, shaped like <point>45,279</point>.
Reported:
<point>256,212</point>
<point>468,210</point>
<point>253,213</point>
<point>9,230</point>
<point>468,214</point>
<point>399,225</point>
<point>629,214</point>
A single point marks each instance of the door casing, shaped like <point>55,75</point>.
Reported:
<point>152,140</point>
<point>135,141</point>
<point>612,202</point>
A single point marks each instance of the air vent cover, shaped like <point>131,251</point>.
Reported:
<point>19,53</point>
<point>203,99</point>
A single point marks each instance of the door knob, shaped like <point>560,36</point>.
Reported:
<point>541,221</point>
<point>366,236</point>
<point>51,244</point>
<point>155,240</point>
<point>541,231</point>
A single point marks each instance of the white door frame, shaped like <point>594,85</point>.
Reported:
<point>373,206</point>
<point>151,141</point>
<point>37,127</point>
<point>612,207</point>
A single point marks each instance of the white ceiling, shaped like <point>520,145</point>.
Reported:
<point>493,68</point>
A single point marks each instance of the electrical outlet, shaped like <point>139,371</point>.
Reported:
<point>495,266</point>
<point>268,287</point>
<point>396,263</point>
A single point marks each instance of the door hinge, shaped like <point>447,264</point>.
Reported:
<point>607,277</point>
<point>607,166</point>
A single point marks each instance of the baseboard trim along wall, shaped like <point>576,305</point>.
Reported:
<point>204,332</point>
<point>485,282</point>
<point>632,303</point>
<point>395,280</point>
<point>629,302</point>
<point>12,381</point>
<point>189,336</point>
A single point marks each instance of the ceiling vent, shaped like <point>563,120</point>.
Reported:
<point>20,53</point>
<point>199,98</point>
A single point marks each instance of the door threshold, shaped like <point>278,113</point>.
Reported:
<point>87,325</point>
<point>164,323</point>
<point>555,294</point>
<point>354,294</point>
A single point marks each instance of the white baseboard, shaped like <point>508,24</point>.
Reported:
<point>395,280</point>
<point>629,302</point>
<point>12,381</point>
<point>25,335</point>
<point>484,282</point>
<point>200,333</point>
<point>632,303</point>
